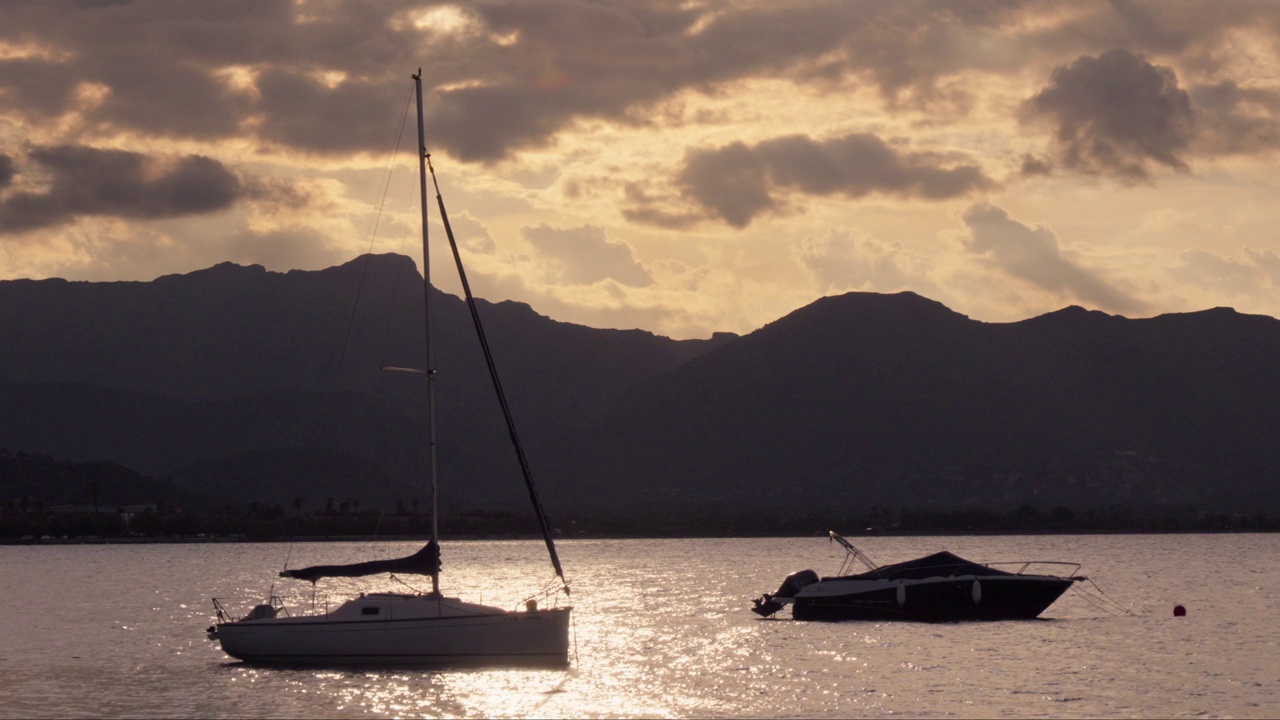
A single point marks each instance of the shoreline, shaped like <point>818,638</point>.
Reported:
<point>180,540</point>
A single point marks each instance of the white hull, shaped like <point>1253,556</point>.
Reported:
<point>405,630</point>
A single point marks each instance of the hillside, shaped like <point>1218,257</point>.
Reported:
<point>894,400</point>
<point>260,372</point>
<point>235,381</point>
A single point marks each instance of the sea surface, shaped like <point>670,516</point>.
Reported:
<point>662,628</point>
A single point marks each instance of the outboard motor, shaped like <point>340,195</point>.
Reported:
<point>766,604</point>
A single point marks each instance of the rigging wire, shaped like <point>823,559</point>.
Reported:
<point>401,580</point>
<point>395,284</point>
<point>336,364</point>
<point>331,375</point>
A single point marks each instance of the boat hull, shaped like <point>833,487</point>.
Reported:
<point>537,637</point>
<point>950,599</point>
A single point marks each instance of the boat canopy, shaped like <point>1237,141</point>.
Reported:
<point>424,562</point>
<point>941,564</point>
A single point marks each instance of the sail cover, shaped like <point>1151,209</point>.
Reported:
<point>424,562</point>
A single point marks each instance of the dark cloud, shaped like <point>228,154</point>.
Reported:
<point>326,77</point>
<point>649,209</point>
<point>583,255</point>
<point>1149,28</point>
<point>37,90</point>
<point>82,181</point>
<point>1032,166</point>
<point>300,111</point>
<point>731,182</point>
<point>737,182</point>
<point>171,98</point>
<point>1033,255</point>
<point>1202,35</point>
<point>6,170</point>
<point>501,75</point>
<point>1235,120</point>
<point>626,57</point>
<point>1115,115</point>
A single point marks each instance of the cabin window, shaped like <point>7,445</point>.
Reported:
<point>369,611</point>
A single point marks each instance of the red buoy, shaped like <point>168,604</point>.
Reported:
<point>1179,611</point>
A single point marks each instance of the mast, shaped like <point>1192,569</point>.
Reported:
<point>424,165</point>
<point>426,302</point>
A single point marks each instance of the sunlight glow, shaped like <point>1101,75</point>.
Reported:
<point>708,15</point>
<point>26,50</point>
<point>330,78</point>
<point>239,78</point>
<point>446,20</point>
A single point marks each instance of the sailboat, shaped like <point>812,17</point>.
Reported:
<point>426,628</point>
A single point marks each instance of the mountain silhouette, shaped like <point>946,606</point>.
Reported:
<point>218,367</point>
<point>233,380</point>
<point>867,400</point>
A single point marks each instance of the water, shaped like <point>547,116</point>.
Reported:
<point>662,629</point>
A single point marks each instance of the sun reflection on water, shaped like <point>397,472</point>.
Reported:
<point>660,628</point>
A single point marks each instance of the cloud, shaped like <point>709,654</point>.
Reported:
<point>119,251</point>
<point>79,181</point>
<point>1033,255</point>
<point>601,307</point>
<point>649,209</point>
<point>583,255</point>
<point>839,261</point>
<point>295,246</point>
<point>501,76</point>
<point>1235,120</point>
<point>1258,271</point>
<point>737,182</point>
<point>6,170</point>
<point>471,233</point>
<point>301,111</point>
<point>1266,261</point>
<point>1033,166</point>
<point>1115,115</point>
<point>505,76</point>
<point>36,89</point>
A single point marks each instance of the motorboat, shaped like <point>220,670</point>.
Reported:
<point>941,587</point>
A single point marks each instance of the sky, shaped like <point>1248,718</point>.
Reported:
<point>683,167</point>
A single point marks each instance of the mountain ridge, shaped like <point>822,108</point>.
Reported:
<point>855,400</point>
